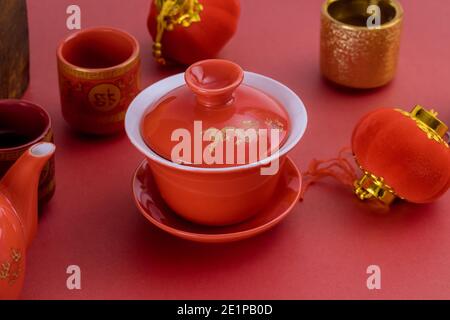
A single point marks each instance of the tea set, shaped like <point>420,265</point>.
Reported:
<point>213,196</point>
<point>184,193</point>
<point>99,82</point>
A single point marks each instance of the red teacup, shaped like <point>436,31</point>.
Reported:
<point>98,78</point>
<point>23,124</point>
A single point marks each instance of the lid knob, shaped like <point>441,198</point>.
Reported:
<point>214,81</point>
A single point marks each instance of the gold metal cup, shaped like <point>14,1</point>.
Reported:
<point>354,55</point>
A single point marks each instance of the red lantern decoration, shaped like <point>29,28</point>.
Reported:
<point>187,31</point>
<point>401,154</point>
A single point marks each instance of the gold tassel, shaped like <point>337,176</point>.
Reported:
<point>171,13</point>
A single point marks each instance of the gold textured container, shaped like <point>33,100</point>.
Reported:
<point>353,54</point>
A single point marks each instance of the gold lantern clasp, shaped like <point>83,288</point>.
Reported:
<point>428,122</point>
<point>373,187</point>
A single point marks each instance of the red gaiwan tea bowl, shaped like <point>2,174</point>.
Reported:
<point>216,139</point>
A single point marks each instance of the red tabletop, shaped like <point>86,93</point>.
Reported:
<point>322,250</point>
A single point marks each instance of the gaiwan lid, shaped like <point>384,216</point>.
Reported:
<point>215,120</point>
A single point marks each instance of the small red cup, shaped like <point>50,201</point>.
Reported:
<point>99,76</point>
<point>23,124</point>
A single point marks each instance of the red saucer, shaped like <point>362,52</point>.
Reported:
<point>151,205</point>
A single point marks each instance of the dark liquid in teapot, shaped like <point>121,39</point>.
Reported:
<point>11,139</point>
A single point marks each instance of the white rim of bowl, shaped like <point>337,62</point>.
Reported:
<point>144,102</point>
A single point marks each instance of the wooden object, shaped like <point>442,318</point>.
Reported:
<point>14,48</point>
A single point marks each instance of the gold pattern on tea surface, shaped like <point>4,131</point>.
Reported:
<point>10,270</point>
<point>274,124</point>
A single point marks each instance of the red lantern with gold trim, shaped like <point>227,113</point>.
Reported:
<point>401,155</point>
<point>187,31</point>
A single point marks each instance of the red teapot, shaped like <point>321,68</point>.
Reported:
<point>19,216</point>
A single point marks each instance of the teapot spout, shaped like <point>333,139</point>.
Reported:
<point>20,185</point>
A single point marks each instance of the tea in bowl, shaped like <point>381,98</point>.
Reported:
<point>216,139</point>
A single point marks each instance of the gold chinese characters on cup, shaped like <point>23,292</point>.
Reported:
<point>360,41</point>
<point>99,70</point>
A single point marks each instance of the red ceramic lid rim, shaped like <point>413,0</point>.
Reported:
<point>221,236</point>
<point>134,55</point>
<point>41,136</point>
<point>137,139</point>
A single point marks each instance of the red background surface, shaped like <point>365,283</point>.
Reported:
<point>321,250</point>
